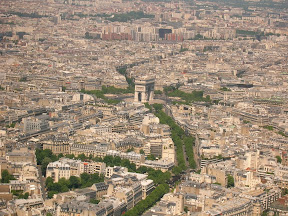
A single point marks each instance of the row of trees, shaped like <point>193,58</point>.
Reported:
<point>100,94</point>
<point>179,138</point>
<point>188,97</point>
<point>132,15</point>
<point>156,175</point>
<point>188,143</point>
<point>64,185</point>
<point>30,15</point>
<point>44,157</point>
<point>130,81</point>
<point>114,90</point>
<point>246,32</point>
<point>87,180</point>
<point>12,125</point>
<point>150,200</point>
<point>225,89</point>
<point>176,134</point>
<point>124,17</point>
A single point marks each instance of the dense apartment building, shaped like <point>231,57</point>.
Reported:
<point>58,144</point>
<point>64,168</point>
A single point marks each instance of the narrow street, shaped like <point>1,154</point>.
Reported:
<point>196,153</point>
<point>42,182</point>
<point>185,156</point>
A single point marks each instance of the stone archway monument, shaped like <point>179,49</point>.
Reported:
<point>144,89</point>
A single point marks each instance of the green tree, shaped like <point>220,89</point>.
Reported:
<point>49,180</point>
<point>142,151</point>
<point>157,107</point>
<point>189,142</point>
<point>70,156</point>
<point>44,157</point>
<point>41,154</point>
<point>95,178</point>
<point>108,160</point>
<point>225,89</point>
<point>151,199</point>
<point>186,209</point>
<point>82,157</point>
<point>269,127</point>
<point>117,161</point>
<point>158,92</point>
<point>130,149</point>
<point>24,196</point>
<point>148,106</point>
<point>279,159</point>
<point>51,194</point>
<point>87,35</point>
<point>74,182</point>
<point>64,182</point>
<point>56,187</point>
<point>158,176</point>
<point>176,170</point>
<point>183,49</point>
<point>230,181</point>
<point>84,178</point>
<point>217,183</point>
<point>64,188</point>
<point>6,177</point>
<point>94,201</point>
<point>282,133</point>
<point>23,79</point>
<point>98,159</point>
<point>151,157</point>
<point>142,169</point>
<point>44,165</point>
<point>12,125</point>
